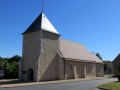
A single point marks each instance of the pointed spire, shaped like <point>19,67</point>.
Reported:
<point>47,26</point>
<point>41,23</point>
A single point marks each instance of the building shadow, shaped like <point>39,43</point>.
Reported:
<point>5,82</point>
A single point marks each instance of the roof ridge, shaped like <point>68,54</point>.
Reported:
<point>74,42</point>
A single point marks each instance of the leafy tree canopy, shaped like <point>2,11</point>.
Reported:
<point>99,56</point>
<point>10,66</point>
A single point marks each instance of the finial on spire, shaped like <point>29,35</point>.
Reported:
<point>42,4</point>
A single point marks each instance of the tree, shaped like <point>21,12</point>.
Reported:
<point>15,58</point>
<point>108,67</point>
<point>0,58</point>
<point>10,66</point>
<point>99,56</point>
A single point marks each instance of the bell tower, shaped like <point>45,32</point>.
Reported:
<point>39,54</point>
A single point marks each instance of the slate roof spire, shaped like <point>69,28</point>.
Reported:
<point>41,23</point>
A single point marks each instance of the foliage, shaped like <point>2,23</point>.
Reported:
<point>108,67</point>
<point>111,86</point>
<point>10,66</point>
<point>14,58</point>
<point>99,56</point>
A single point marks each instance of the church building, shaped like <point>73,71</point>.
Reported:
<point>45,56</point>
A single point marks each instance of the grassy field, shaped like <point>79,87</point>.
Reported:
<point>111,86</point>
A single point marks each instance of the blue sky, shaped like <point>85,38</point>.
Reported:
<point>93,23</point>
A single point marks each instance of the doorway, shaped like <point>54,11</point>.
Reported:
<point>30,74</point>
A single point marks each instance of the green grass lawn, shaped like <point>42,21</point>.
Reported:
<point>111,86</point>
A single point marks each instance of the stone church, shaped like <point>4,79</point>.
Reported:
<point>45,56</point>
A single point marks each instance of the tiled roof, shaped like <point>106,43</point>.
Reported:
<point>75,51</point>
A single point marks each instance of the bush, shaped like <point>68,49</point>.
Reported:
<point>10,67</point>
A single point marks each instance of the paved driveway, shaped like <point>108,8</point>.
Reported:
<point>82,85</point>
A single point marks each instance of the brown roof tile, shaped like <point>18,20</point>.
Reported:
<point>71,50</point>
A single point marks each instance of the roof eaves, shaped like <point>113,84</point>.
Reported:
<point>50,32</point>
<point>78,60</point>
<point>29,32</point>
